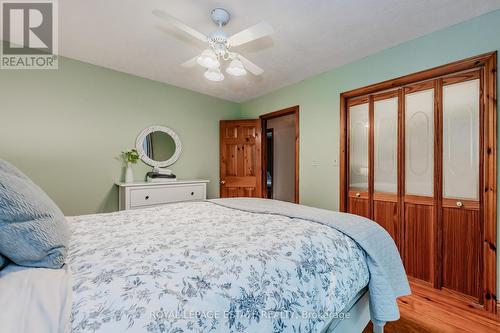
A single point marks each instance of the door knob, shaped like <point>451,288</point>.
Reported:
<point>222,182</point>
<point>358,195</point>
<point>459,204</point>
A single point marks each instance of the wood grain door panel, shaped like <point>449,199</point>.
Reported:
<point>462,251</point>
<point>235,192</point>
<point>240,158</point>
<point>386,214</point>
<point>359,207</point>
<point>419,240</point>
<point>231,164</point>
<point>358,203</point>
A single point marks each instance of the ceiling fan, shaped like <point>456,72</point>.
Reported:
<point>220,45</point>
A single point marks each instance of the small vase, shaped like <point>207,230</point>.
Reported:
<point>129,174</point>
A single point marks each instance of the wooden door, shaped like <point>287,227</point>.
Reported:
<point>240,158</point>
<point>385,146</point>
<point>461,183</point>
<point>358,142</point>
<point>419,223</point>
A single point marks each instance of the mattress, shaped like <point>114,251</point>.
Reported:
<point>201,267</point>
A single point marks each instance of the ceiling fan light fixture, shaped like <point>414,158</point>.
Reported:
<point>220,45</point>
<point>214,74</point>
<point>236,68</point>
<point>208,59</point>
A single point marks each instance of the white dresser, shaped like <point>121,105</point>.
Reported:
<point>142,194</point>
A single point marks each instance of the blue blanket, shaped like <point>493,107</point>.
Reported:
<point>387,276</point>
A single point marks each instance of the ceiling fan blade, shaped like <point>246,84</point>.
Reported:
<point>252,68</point>
<point>178,24</point>
<point>257,31</point>
<point>190,63</point>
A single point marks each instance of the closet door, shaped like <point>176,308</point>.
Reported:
<point>461,224</point>
<point>432,182</point>
<point>418,204</point>
<point>385,162</point>
<point>358,137</point>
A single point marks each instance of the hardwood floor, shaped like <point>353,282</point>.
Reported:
<point>427,316</point>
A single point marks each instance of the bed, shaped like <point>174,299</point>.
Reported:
<point>227,265</point>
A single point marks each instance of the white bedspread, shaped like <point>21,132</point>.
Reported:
<point>35,300</point>
<point>201,267</point>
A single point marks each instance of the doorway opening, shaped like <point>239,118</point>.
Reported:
<point>280,154</point>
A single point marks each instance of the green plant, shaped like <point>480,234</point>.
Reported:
<point>131,156</point>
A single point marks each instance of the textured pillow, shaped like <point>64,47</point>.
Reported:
<point>33,230</point>
<point>3,262</point>
<point>10,169</point>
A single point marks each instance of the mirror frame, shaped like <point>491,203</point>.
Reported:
<point>139,146</point>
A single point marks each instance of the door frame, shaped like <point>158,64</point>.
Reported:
<point>276,114</point>
<point>487,64</point>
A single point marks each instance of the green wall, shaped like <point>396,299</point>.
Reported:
<point>318,97</point>
<point>65,128</point>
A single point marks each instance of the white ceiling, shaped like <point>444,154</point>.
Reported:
<point>311,37</point>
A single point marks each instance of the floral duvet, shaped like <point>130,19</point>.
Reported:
<point>202,267</point>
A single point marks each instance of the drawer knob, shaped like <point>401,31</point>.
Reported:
<point>147,197</point>
<point>192,193</point>
<point>358,195</point>
<point>459,204</point>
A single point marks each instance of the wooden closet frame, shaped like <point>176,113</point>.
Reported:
<point>276,114</point>
<point>487,65</point>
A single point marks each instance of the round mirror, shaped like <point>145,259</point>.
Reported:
<point>158,146</point>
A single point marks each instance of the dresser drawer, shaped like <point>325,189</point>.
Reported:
<point>141,197</point>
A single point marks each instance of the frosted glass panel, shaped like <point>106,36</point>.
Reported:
<point>358,147</point>
<point>419,143</point>
<point>386,145</point>
<point>461,140</point>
